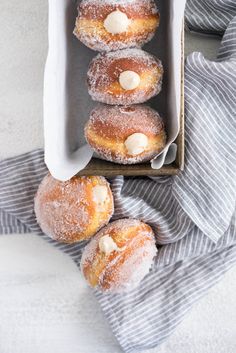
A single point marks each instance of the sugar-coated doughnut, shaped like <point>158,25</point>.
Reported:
<point>125,135</point>
<point>107,25</point>
<point>74,210</point>
<point>124,77</point>
<point>119,256</point>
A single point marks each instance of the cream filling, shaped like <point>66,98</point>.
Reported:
<point>129,80</point>
<point>107,245</point>
<point>100,194</point>
<point>116,22</point>
<point>136,144</point>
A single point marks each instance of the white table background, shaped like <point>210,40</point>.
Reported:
<point>44,304</point>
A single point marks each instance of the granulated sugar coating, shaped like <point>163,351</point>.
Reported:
<point>123,269</point>
<point>105,70</point>
<point>143,20</point>
<point>68,212</point>
<point>116,121</point>
<point>109,127</point>
<point>134,3</point>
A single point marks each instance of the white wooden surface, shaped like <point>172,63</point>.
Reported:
<point>44,304</point>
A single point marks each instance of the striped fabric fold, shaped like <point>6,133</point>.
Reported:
<point>209,16</point>
<point>145,318</point>
<point>209,182</point>
<point>193,215</point>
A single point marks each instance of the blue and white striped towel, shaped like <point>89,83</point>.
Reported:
<point>193,214</point>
